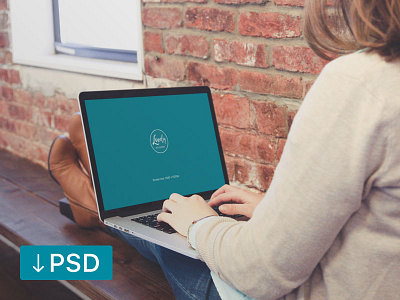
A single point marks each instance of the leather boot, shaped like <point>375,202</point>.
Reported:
<point>65,169</point>
<point>77,139</point>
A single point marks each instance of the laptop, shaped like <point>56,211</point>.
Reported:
<point>144,145</point>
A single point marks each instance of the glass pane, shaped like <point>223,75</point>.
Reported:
<point>100,23</point>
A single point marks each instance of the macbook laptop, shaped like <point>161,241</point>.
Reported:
<point>146,144</point>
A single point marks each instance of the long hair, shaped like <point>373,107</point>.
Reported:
<point>350,25</point>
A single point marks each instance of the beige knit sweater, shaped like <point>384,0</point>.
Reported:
<point>329,225</point>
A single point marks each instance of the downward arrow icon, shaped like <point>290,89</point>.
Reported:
<point>38,268</point>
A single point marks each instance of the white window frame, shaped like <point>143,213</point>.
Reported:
<point>32,36</point>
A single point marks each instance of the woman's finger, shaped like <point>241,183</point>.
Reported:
<point>226,197</point>
<point>221,190</point>
<point>168,205</point>
<point>236,209</point>
<point>224,189</point>
<point>165,217</point>
<point>177,198</point>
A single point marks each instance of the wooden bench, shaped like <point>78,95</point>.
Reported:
<point>29,215</point>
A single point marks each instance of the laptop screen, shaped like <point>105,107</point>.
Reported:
<point>147,148</point>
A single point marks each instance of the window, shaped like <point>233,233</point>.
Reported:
<point>96,29</point>
<point>113,39</point>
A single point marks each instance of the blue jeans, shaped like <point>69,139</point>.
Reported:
<point>189,278</point>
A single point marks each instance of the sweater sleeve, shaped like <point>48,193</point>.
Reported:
<point>335,148</point>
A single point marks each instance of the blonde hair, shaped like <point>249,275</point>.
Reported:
<point>352,25</point>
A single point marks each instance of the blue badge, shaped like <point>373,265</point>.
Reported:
<point>66,262</point>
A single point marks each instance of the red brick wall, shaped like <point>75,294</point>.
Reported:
<point>253,56</point>
<point>28,121</point>
<point>251,53</point>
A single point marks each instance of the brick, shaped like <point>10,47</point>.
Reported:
<point>74,105</point>
<point>182,1</point>
<point>14,142</point>
<point>8,93</point>
<point>3,5</point>
<point>70,106</point>
<point>307,86</point>
<point>37,153</point>
<point>59,104</point>
<point>4,75</point>
<point>46,136</point>
<point>25,129</point>
<point>18,112</point>
<point>42,118</point>
<point>230,166</point>
<point>281,146</point>
<point>14,77</point>
<point>7,124</point>
<point>5,57</point>
<point>240,1</point>
<point>242,172</point>
<point>232,110</point>
<point>3,108</point>
<point>163,18</point>
<point>299,2</point>
<point>23,96</point>
<point>278,85</point>
<point>271,119</point>
<point>291,115</point>
<point>65,105</point>
<point>3,139</point>
<point>10,76</point>
<point>248,145</point>
<point>165,67</point>
<point>4,41</point>
<point>269,25</point>
<point>265,174</point>
<point>61,122</point>
<point>297,59</point>
<point>242,53</point>
<point>185,44</point>
<point>211,19</point>
<point>152,41</point>
<point>3,21</point>
<point>2,121</point>
<point>51,103</point>
<point>40,101</point>
<point>290,2</point>
<point>252,174</point>
<point>212,76</point>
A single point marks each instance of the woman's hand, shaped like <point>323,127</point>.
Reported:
<point>246,201</point>
<point>180,212</point>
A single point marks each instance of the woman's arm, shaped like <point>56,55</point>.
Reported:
<point>336,143</point>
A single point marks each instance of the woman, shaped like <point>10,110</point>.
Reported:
<point>329,225</point>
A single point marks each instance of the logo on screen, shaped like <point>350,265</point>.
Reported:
<point>158,141</point>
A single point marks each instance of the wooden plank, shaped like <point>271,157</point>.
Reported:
<point>29,220</point>
<point>12,287</point>
<point>29,176</point>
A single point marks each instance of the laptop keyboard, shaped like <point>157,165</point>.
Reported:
<point>151,221</point>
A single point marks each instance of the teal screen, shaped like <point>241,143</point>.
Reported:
<point>147,148</point>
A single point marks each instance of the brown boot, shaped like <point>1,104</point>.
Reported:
<point>77,139</point>
<point>65,169</point>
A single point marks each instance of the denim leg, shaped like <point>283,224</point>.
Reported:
<point>189,278</point>
<point>144,247</point>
